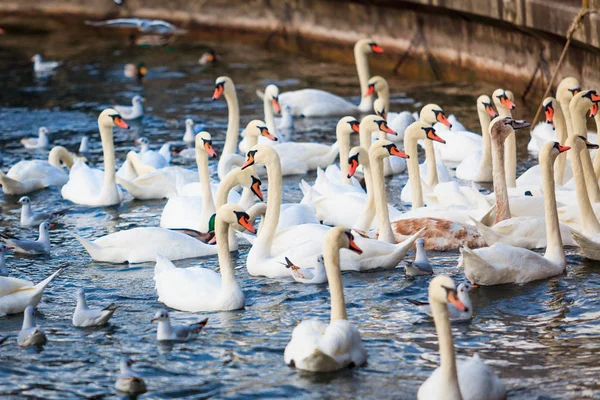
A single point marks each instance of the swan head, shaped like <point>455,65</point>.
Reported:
<point>419,130</point>
<point>367,46</point>
<point>384,148</point>
<point>36,58</point>
<point>235,216</point>
<point>357,156</point>
<point>566,89</point>
<point>261,154</point>
<point>432,113</point>
<point>376,84</point>
<point>501,127</point>
<point>442,290</point>
<point>551,150</point>
<point>379,108</point>
<point>484,104</point>
<point>247,178</point>
<point>339,237</point>
<point>504,99</point>
<point>272,95</point>
<point>24,200</point>
<point>259,128</point>
<point>346,126</point>
<point>223,84</point>
<point>160,316</point>
<point>583,101</point>
<point>110,117</point>
<point>204,143</point>
<point>375,123</point>
<point>549,106</point>
<point>580,143</point>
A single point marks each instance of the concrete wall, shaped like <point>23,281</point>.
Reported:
<point>493,40</point>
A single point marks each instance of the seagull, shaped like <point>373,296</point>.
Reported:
<point>43,67</point>
<point>178,333</point>
<point>156,26</point>
<point>128,381</point>
<point>40,142</point>
<point>33,218</point>
<point>85,317</point>
<point>420,266</point>
<point>30,334</point>
<point>454,313</point>
<point>3,249</point>
<point>134,111</point>
<point>315,275</point>
<point>40,246</point>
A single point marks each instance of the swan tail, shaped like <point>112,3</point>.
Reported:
<point>163,264</point>
<point>40,287</point>
<point>476,268</point>
<point>307,192</point>
<point>490,216</point>
<point>260,94</point>
<point>488,233</point>
<point>92,248</point>
<point>320,362</point>
<point>589,248</point>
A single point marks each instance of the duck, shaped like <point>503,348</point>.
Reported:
<point>41,67</point>
<point>455,314</point>
<point>138,71</point>
<point>40,142</point>
<point>198,289</point>
<point>319,103</point>
<point>209,57</point>
<point>31,247</point>
<point>176,333</point>
<point>17,294</point>
<point>469,379</point>
<point>30,334</point>
<point>134,111</point>
<point>319,347</point>
<point>129,381</point>
<point>302,243</point>
<point>85,317</point>
<point>33,218</point>
<point>477,167</point>
<point>313,276</point>
<point>3,250</point>
<point>420,265</point>
<point>495,265</point>
<point>93,187</point>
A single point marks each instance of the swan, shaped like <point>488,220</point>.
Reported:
<point>454,313</point>
<point>40,142</point>
<point>17,294</point>
<point>134,111</point>
<point>320,347</point>
<point>303,243</point>
<point>201,289</point>
<point>319,103</point>
<point>504,100</point>
<point>460,143</point>
<point>545,131</point>
<point>270,105</point>
<point>28,176</point>
<point>381,106</point>
<point>224,86</point>
<point>93,187</point>
<point>477,166</point>
<point>42,67</point>
<point>502,263</point>
<point>470,379</point>
<point>525,232</point>
<point>398,122</point>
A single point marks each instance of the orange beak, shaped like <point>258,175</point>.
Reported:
<point>276,105</point>
<point>209,149</point>
<point>433,136</point>
<point>384,127</point>
<point>249,160</point>
<point>453,299</point>
<point>441,117</point>
<point>52,225</point>
<point>120,123</point>
<point>563,148</point>
<point>218,92</point>
<point>353,165</point>
<point>475,286</point>
<point>243,221</point>
<point>549,112</point>
<point>10,248</point>
<point>593,110</point>
<point>153,320</point>
<point>506,102</point>
<point>256,190</point>
<point>265,133</point>
<point>353,246</point>
<point>376,49</point>
<point>595,98</point>
<point>395,151</point>
<point>491,111</point>
<point>370,90</point>
<point>143,71</point>
<point>355,127</point>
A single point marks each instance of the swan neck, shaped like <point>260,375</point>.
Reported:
<point>331,257</point>
<point>362,68</point>
<point>561,134</point>
<point>271,219</point>
<point>363,224</point>
<point>225,186</point>
<point>580,129</point>
<point>500,189</point>
<point>590,223</point>
<point>225,266</point>
<point>108,150</point>
<point>449,377</point>
<point>486,151</point>
<point>269,117</point>
<point>432,175</point>
<point>416,191</point>
<point>386,233</point>
<point>510,160</point>
<point>554,250</point>
<point>28,320</point>
<point>59,154</point>
<point>233,123</point>
<point>344,146</point>
<point>208,204</point>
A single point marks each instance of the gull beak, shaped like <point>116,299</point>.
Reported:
<point>153,320</point>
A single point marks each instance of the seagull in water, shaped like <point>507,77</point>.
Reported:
<point>128,381</point>
<point>178,333</point>
<point>454,313</point>
<point>3,249</point>
<point>420,266</point>
<point>40,246</point>
<point>40,142</point>
<point>30,334</point>
<point>155,26</point>
<point>134,111</point>
<point>43,67</point>
<point>307,275</point>
<point>33,218</point>
<point>85,317</point>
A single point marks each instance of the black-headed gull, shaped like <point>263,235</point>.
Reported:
<point>40,246</point>
<point>128,381</point>
<point>43,67</point>
<point>178,333</point>
<point>3,249</point>
<point>85,317</point>
<point>34,218</point>
<point>30,334</point>
<point>454,313</point>
<point>134,111</point>
<point>315,275</point>
<point>39,142</point>
<point>421,265</point>
<point>156,26</point>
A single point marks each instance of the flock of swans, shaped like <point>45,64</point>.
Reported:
<point>341,224</point>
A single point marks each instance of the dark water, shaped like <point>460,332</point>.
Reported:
<point>542,338</point>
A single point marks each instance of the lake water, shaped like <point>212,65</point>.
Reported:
<point>542,338</point>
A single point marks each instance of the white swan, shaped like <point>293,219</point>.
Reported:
<point>470,379</point>
<point>270,105</point>
<point>504,100</point>
<point>319,103</point>
<point>17,294</point>
<point>201,289</point>
<point>134,111</point>
<point>224,86</point>
<point>454,313</point>
<point>502,263</point>
<point>39,142</point>
<point>320,347</point>
<point>93,187</point>
<point>478,165</point>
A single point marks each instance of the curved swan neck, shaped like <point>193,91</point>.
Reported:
<point>271,220</point>
<point>386,233</point>
<point>233,123</point>
<point>344,146</point>
<point>498,171</point>
<point>416,191</point>
<point>448,383</point>
<point>269,117</point>
<point>384,94</point>
<point>225,266</point>
<point>579,123</point>
<point>485,166</point>
<point>365,220</point>
<point>208,203</point>
<point>560,126</point>
<point>225,186</point>
<point>432,175</point>
<point>362,68</point>
<point>108,150</point>
<point>589,221</point>
<point>331,257</point>
<point>554,250</point>
<point>58,154</point>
